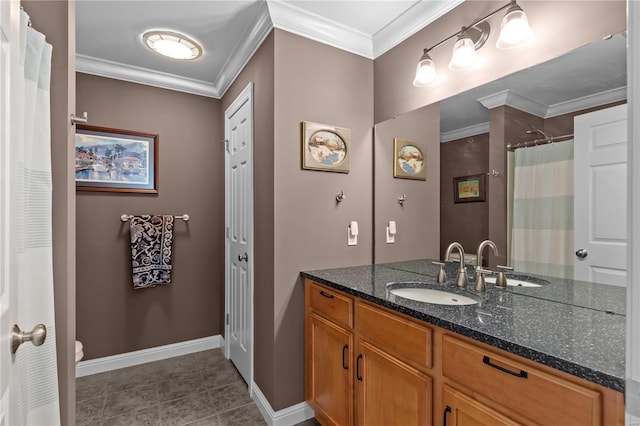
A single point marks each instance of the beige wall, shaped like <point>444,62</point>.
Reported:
<point>315,82</point>
<point>418,219</point>
<point>56,19</point>
<point>260,70</point>
<point>112,317</point>
<point>466,223</point>
<point>298,228</point>
<point>559,26</point>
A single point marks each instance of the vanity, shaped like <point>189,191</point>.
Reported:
<point>549,355</point>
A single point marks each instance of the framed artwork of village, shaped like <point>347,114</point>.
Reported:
<point>409,160</point>
<point>115,160</point>
<point>325,147</point>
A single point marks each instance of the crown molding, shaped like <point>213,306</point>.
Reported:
<point>288,17</point>
<point>410,22</point>
<point>119,71</point>
<point>512,99</point>
<point>585,102</point>
<point>244,50</point>
<point>465,132</point>
<point>285,16</point>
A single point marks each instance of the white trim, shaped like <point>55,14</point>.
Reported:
<point>465,132</point>
<point>285,16</point>
<point>410,22</point>
<point>244,51</point>
<point>287,416</point>
<point>128,359</point>
<point>632,393</point>
<point>245,96</point>
<point>585,102</point>
<point>119,71</point>
<point>295,20</point>
<point>512,99</point>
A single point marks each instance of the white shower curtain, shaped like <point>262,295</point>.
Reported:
<point>36,390</point>
<point>542,213</point>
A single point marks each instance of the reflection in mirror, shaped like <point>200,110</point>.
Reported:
<point>477,126</point>
<point>536,104</point>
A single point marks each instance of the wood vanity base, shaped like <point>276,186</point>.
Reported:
<point>369,365</point>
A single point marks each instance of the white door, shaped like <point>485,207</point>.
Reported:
<point>8,34</point>
<point>28,376</point>
<point>239,221</point>
<point>600,204</point>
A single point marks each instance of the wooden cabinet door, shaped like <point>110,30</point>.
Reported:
<point>389,392</point>
<point>329,381</point>
<point>460,410</point>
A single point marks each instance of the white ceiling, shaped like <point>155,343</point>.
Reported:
<point>109,43</point>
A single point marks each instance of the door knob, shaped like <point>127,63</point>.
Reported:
<point>37,336</point>
<point>244,257</point>
<point>582,253</point>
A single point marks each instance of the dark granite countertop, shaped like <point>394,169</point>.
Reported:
<point>581,334</point>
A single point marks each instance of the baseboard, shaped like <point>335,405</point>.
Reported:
<point>285,417</point>
<point>128,359</point>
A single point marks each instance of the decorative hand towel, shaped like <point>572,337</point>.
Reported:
<point>151,239</point>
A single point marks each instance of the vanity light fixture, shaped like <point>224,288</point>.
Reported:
<point>513,31</point>
<point>172,45</point>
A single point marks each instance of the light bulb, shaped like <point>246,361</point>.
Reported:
<point>464,53</point>
<point>172,49</point>
<point>425,71</point>
<point>514,28</point>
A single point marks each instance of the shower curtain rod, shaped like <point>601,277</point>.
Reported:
<point>552,139</point>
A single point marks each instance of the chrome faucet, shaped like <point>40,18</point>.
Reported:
<point>461,278</point>
<point>481,247</point>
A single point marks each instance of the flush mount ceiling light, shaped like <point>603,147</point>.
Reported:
<point>513,31</point>
<point>172,45</point>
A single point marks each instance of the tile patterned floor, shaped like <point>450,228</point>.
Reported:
<point>201,389</point>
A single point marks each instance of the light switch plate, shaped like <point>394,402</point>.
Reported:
<point>390,237</point>
<point>352,240</point>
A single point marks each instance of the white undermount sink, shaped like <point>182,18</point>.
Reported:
<point>433,296</point>
<point>511,282</point>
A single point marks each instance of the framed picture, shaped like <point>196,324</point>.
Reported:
<point>325,147</point>
<point>409,160</point>
<point>468,189</point>
<point>116,160</point>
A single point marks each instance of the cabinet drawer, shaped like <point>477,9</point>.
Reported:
<point>398,336</point>
<point>331,305</point>
<point>534,394</point>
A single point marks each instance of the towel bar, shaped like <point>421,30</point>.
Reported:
<point>126,217</point>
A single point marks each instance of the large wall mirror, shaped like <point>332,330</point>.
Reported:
<point>466,137</point>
